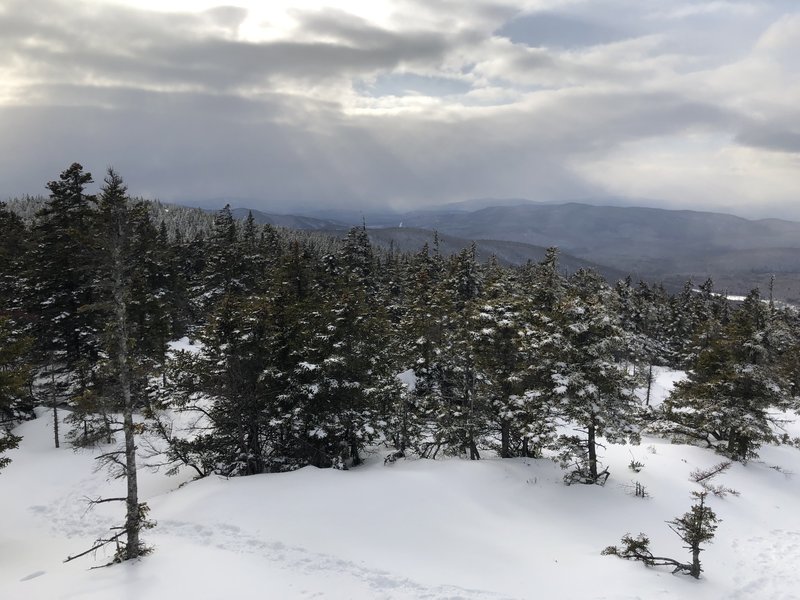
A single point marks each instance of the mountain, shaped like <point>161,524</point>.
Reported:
<point>649,243</point>
<point>288,221</point>
<point>409,239</point>
<point>506,252</point>
<point>619,233</point>
<point>655,244</point>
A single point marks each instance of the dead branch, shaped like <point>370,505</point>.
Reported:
<point>98,544</point>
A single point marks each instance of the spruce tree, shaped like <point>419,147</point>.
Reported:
<point>347,373</point>
<point>733,387</point>
<point>63,269</point>
<point>15,373</point>
<point>116,227</point>
<point>500,328</point>
<point>594,391</point>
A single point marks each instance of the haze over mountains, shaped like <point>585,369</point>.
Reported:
<point>649,243</point>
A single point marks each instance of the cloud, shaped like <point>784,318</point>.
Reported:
<point>561,31</point>
<point>772,137</point>
<point>406,102</point>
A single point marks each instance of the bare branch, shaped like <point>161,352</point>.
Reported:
<point>98,544</point>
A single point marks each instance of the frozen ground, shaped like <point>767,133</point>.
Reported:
<point>417,529</point>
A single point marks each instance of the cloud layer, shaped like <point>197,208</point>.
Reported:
<point>286,105</point>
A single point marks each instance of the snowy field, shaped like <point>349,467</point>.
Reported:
<point>440,529</point>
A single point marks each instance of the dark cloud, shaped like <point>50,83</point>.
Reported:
<point>120,44</point>
<point>560,30</point>
<point>773,138</point>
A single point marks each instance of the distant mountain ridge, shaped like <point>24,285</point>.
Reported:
<point>410,239</point>
<point>648,243</point>
<point>654,244</point>
<point>288,221</point>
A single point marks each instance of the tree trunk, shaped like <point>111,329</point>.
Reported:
<point>505,439</point>
<point>592,452</point>
<point>354,457</point>
<point>133,515</point>
<point>695,569</point>
<point>649,383</point>
<point>403,441</point>
<point>54,398</point>
<point>255,460</point>
<point>473,450</point>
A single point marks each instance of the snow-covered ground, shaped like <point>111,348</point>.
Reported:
<point>416,529</point>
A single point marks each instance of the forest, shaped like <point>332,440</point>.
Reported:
<point>299,349</point>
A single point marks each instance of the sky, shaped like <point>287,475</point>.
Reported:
<point>287,106</point>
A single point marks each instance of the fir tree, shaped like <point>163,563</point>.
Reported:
<point>593,390</point>
<point>63,271</point>
<point>732,387</point>
<point>15,403</point>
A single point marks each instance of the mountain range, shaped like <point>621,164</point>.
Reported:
<point>648,243</point>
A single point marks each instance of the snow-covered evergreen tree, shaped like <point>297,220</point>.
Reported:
<point>15,371</point>
<point>594,391</point>
<point>733,386</point>
<point>63,265</point>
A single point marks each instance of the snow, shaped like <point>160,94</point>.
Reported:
<point>185,345</point>
<point>408,379</point>
<point>487,529</point>
<point>664,380</point>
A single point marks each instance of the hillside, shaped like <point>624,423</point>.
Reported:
<point>288,221</point>
<point>653,244</point>
<point>409,239</point>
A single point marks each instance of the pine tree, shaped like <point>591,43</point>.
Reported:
<point>15,253</point>
<point>422,328</point>
<point>695,528</point>
<point>236,398</point>
<point>62,275</point>
<point>115,390</point>
<point>15,375</point>
<point>500,329</point>
<point>348,373</point>
<point>452,402</point>
<point>116,227</point>
<point>594,391</point>
<point>732,386</point>
<point>223,262</point>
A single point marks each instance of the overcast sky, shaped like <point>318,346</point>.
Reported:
<point>282,105</point>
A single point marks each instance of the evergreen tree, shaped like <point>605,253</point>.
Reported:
<point>235,398</point>
<point>694,528</point>
<point>593,390</point>
<point>63,272</point>
<point>452,401</point>
<point>223,261</point>
<point>115,391</point>
<point>422,327</point>
<point>501,327</point>
<point>347,374</point>
<point>15,403</point>
<point>15,253</point>
<point>732,387</point>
